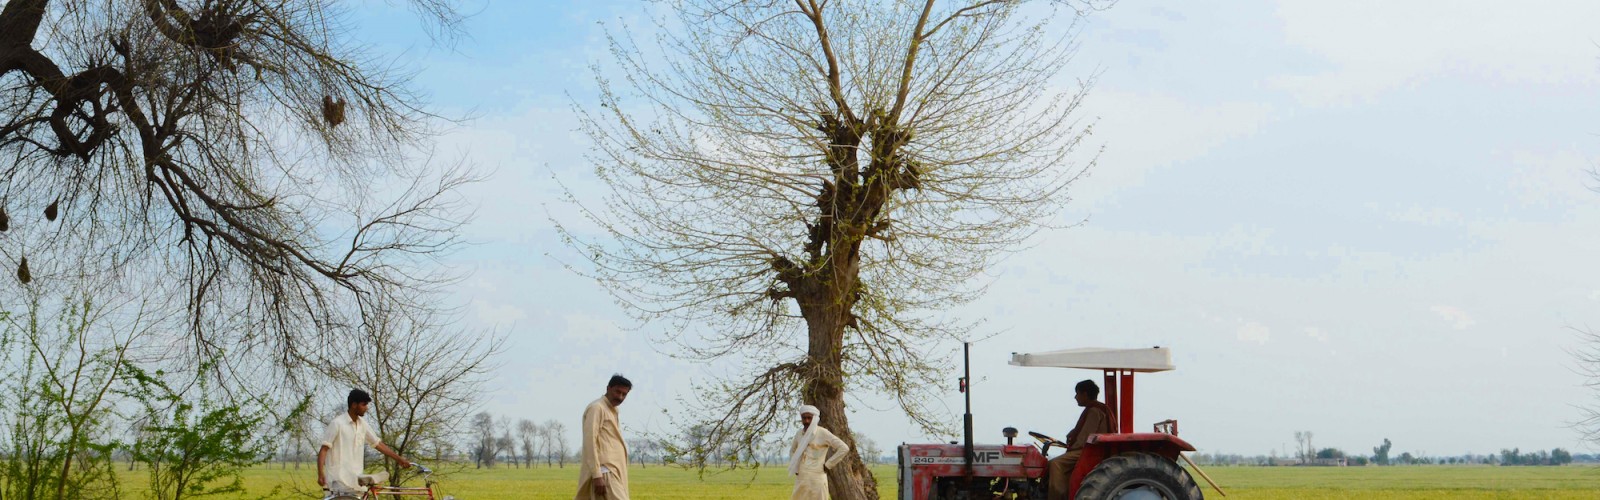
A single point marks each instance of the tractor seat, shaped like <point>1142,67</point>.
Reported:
<point>369,480</point>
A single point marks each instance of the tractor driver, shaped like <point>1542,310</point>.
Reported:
<point>1095,419</point>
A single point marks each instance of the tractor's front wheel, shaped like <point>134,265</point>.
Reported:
<point>1138,476</point>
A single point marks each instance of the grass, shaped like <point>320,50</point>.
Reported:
<point>1417,482</point>
<point>656,482</point>
<point>543,483</point>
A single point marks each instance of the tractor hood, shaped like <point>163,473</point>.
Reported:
<point>1154,359</point>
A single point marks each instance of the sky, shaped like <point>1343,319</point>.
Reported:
<point>1363,219</point>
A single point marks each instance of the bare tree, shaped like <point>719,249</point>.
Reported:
<point>245,151</point>
<point>139,429</point>
<point>303,435</point>
<point>547,446</point>
<point>528,436</point>
<point>424,375</point>
<point>870,452</point>
<point>505,443</point>
<point>777,449</point>
<point>805,187</point>
<point>643,450</point>
<point>556,439</point>
<point>1306,450</point>
<point>1588,357</point>
<point>483,444</point>
<point>1300,444</point>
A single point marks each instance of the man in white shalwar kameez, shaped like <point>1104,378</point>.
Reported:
<point>809,459</point>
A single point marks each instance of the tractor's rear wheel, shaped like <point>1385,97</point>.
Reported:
<point>1138,476</point>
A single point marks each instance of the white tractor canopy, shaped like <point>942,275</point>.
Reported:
<point>1153,359</point>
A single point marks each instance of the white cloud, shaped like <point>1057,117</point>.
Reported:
<point>1254,332</point>
<point>1316,333</point>
<point>1458,318</point>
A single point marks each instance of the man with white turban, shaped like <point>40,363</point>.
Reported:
<point>809,460</point>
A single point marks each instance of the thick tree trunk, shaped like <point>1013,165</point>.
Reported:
<point>852,480</point>
<point>826,320</point>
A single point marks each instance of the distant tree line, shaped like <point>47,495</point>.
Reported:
<point>1514,456</point>
<point>1305,454</point>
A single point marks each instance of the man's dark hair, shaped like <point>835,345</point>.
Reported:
<point>1088,386</point>
<point>357,396</point>
<point>617,380</point>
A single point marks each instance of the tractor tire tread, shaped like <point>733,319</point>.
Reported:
<point>1113,472</point>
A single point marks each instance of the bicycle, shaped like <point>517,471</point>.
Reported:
<point>376,489</point>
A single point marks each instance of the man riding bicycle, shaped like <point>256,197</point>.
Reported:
<point>340,462</point>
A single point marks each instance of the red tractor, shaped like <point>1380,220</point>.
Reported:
<point>1122,465</point>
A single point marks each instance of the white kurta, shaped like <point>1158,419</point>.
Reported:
<point>811,483</point>
<point>345,439</point>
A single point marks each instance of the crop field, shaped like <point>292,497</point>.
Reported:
<point>1415,482</point>
<point>656,482</point>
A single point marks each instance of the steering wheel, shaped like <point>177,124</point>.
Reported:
<point>1047,441</point>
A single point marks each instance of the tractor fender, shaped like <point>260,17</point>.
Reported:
<point>1166,445</point>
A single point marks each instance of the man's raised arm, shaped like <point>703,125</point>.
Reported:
<point>389,452</point>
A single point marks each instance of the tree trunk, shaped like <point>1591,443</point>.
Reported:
<point>826,316</point>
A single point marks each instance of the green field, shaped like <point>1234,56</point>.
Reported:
<point>1417,482</point>
<point>655,482</point>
